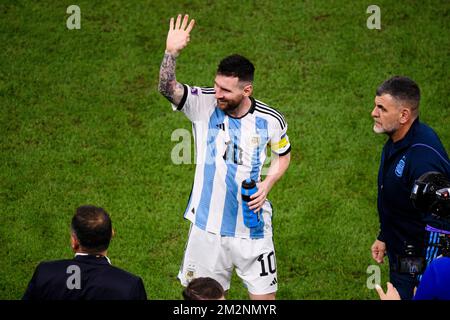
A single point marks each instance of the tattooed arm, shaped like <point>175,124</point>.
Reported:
<point>177,39</point>
<point>168,85</point>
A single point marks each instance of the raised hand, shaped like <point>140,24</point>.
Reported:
<point>178,36</point>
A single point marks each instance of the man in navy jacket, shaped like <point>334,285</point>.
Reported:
<point>412,149</point>
<point>89,275</point>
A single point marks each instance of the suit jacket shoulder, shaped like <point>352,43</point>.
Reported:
<point>83,278</point>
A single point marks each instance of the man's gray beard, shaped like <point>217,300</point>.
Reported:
<point>381,130</point>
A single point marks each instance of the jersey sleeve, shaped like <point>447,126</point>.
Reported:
<point>279,140</point>
<point>196,103</point>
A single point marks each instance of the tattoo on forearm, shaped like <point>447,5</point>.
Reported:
<point>167,80</point>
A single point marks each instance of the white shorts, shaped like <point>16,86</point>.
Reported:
<point>212,255</point>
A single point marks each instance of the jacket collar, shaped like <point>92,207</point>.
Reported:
<point>407,140</point>
<point>92,258</point>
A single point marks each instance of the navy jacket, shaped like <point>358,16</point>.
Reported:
<point>98,280</point>
<point>403,162</point>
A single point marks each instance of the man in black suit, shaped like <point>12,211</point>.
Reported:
<point>89,275</point>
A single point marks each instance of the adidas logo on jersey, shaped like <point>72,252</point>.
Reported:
<point>274,282</point>
<point>221,126</point>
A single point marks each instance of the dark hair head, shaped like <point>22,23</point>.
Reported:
<point>92,227</point>
<point>236,66</point>
<point>402,89</point>
<point>203,289</point>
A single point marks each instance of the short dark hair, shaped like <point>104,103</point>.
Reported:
<point>92,227</point>
<point>403,89</point>
<point>203,288</point>
<point>236,66</point>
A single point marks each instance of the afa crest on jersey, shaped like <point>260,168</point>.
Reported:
<point>255,141</point>
<point>190,272</point>
<point>400,167</point>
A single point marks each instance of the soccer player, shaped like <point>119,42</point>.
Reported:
<point>232,131</point>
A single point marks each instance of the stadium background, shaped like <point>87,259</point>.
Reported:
<point>82,122</point>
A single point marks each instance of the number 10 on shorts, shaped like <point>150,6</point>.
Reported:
<point>268,264</point>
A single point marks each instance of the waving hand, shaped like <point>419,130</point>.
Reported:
<point>178,36</point>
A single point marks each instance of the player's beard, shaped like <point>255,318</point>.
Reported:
<point>228,106</point>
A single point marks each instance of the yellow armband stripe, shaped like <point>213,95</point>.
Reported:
<point>280,144</point>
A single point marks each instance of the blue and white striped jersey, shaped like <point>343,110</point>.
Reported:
<point>228,151</point>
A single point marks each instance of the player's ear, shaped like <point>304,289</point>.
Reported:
<point>113,233</point>
<point>248,89</point>
<point>74,243</point>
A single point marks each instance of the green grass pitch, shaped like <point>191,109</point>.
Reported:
<point>82,122</point>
